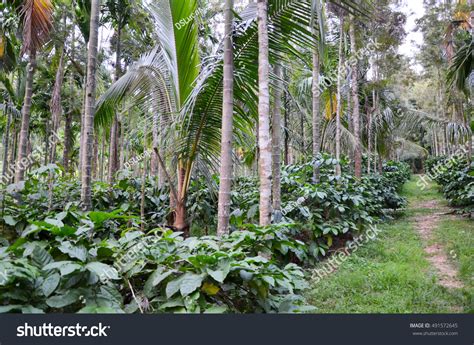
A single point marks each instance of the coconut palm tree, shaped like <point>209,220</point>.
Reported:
<point>89,108</point>
<point>264,139</point>
<point>225,174</point>
<point>355,102</point>
<point>277,143</point>
<point>36,21</point>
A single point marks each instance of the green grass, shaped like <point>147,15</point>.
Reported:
<point>392,275</point>
<point>457,236</point>
<point>417,194</point>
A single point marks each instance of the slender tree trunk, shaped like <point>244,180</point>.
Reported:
<point>144,173</point>
<point>155,138</point>
<point>355,104</point>
<point>67,141</point>
<point>180,215</point>
<point>316,105</point>
<point>285,125</point>
<point>68,117</point>
<point>113,150</point>
<point>339,99</point>
<point>227,126</point>
<point>22,160</point>
<point>88,140</point>
<point>14,152</point>
<point>6,141</point>
<point>276,145</point>
<point>264,140</point>
<point>82,136</point>
<point>376,156</point>
<point>102,160</point>
<point>114,155</point>
<point>56,109</point>
<point>47,127</point>
<point>369,134</point>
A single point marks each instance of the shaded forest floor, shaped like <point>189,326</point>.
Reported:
<point>421,262</point>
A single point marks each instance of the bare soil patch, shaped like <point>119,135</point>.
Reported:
<point>436,253</point>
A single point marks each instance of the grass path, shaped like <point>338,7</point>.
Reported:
<point>421,262</point>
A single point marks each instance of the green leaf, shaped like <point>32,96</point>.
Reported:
<point>65,267</point>
<point>41,256</point>
<point>155,278</point>
<point>8,308</point>
<point>104,271</point>
<point>55,222</point>
<point>10,220</point>
<point>95,309</point>
<point>173,286</point>
<point>60,301</point>
<point>220,274</point>
<point>75,252</point>
<point>50,284</point>
<point>185,284</point>
<point>190,283</point>
<point>216,309</point>
<point>31,310</point>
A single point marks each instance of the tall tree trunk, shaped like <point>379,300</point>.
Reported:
<point>264,141</point>
<point>339,98</point>
<point>180,216</point>
<point>369,133</point>
<point>144,173</point>
<point>88,140</point>
<point>56,109</point>
<point>114,149</point>
<point>6,139</point>
<point>285,125</point>
<point>68,116</point>
<point>355,104</point>
<point>225,173</point>
<point>155,138</point>
<point>102,160</point>
<point>316,105</point>
<point>67,141</point>
<point>14,152</point>
<point>276,145</point>
<point>161,170</point>
<point>22,160</point>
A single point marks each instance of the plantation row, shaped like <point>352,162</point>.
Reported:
<point>57,258</point>
<point>455,176</point>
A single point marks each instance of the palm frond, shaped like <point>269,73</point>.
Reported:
<point>37,22</point>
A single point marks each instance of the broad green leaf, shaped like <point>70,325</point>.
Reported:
<point>76,252</point>
<point>50,284</point>
<point>65,267</point>
<point>104,271</point>
<point>95,309</point>
<point>217,309</point>
<point>190,283</point>
<point>10,220</point>
<point>155,278</point>
<point>60,301</point>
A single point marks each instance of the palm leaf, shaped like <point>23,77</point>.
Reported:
<point>37,22</point>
